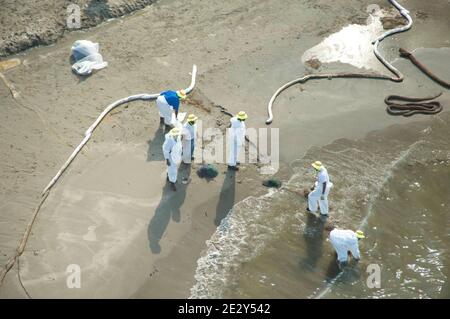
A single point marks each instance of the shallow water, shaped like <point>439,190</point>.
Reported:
<point>408,236</point>
<point>393,184</point>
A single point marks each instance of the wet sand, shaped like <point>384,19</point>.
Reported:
<point>111,212</point>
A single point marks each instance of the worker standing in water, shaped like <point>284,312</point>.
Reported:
<point>168,102</point>
<point>172,153</point>
<point>189,137</point>
<point>345,241</point>
<point>320,190</point>
<point>236,138</point>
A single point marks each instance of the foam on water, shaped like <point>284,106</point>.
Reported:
<point>239,238</point>
<point>352,45</point>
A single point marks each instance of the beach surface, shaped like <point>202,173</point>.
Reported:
<point>112,213</point>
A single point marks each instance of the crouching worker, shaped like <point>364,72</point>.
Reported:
<point>319,193</point>
<point>172,153</point>
<point>345,241</point>
<point>189,137</point>
<point>168,102</point>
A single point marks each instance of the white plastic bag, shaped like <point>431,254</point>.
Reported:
<point>87,57</point>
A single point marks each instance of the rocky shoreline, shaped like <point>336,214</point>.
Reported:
<point>44,22</point>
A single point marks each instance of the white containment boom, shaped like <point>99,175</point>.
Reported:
<point>109,108</point>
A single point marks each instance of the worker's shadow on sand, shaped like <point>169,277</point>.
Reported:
<point>155,144</point>
<point>169,207</point>
<point>226,197</point>
<point>314,237</point>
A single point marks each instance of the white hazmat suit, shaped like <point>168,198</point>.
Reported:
<point>344,241</point>
<point>165,110</point>
<point>172,151</point>
<point>236,139</point>
<point>314,198</point>
<point>189,138</point>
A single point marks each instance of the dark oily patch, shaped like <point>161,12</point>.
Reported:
<point>393,22</point>
<point>207,171</point>
<point>272,182</point>
<point>421,15</point>
<point>314,63</point>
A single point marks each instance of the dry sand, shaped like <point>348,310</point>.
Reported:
<point>111,213</point>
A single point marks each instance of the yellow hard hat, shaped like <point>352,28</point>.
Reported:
<point>192,118</point>
<point>181,94</point>
<point>360,234</point>
<point>317,165</point>
<point>175,132</point>
<point>242,115</point>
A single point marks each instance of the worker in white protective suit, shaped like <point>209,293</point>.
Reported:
<point>345,241</point>
<point>172,153</point>
<point>168,103</point>
<point>318,197</point>
<point>236,138</point>
<point>189,138</point>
